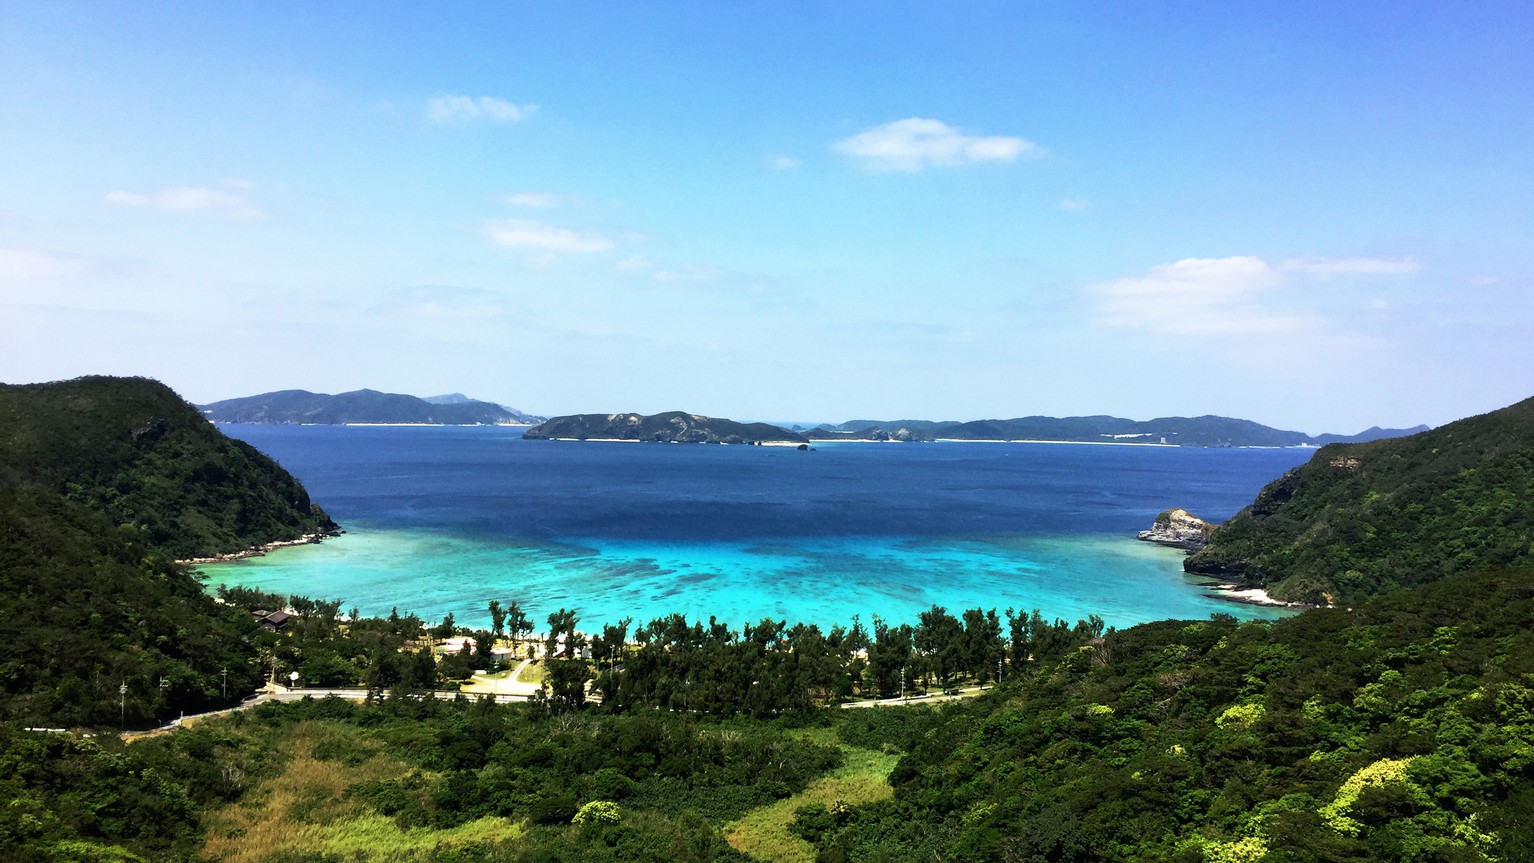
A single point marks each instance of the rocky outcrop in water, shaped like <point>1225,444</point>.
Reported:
<point>1180,529</point>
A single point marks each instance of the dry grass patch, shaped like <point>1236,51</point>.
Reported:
<point>862,778</point>
<point>304,808</point>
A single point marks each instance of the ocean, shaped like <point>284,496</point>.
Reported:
<point>443,519</point>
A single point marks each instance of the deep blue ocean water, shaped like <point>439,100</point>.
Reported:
<point>443,519</point>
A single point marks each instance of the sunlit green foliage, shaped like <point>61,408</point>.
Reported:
<point>132,449</point>
<point>1402,730</point>
<point>1359,520</point>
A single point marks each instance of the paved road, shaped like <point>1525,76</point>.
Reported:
<point>971,692</point>
<point>504,691</point>
<point>281,693</point>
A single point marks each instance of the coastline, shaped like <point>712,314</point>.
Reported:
<point>258,551</point>
<point>1071,442</point>
<point>1231,592</point>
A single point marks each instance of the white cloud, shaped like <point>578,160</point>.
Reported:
<point>1326,267</point>
<point>1199,297</point>
<point>636,262</point>
<point>529,234</point>
<point>450,109</point>
<point>783,163</point>
<point>916,143</point>
<point>190,199</point>
<point>1075,205</point>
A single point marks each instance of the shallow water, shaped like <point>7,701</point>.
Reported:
<point>442,520</point>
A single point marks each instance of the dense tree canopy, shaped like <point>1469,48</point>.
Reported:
<point>1360,520</point>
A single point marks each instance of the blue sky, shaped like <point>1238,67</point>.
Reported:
<point>1314,215</point>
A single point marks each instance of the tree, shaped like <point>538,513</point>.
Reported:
<point>484,649</point>
<point>519,622</point>
<point>562,638</point>
<point>565,683</point>
<point>497,618</point>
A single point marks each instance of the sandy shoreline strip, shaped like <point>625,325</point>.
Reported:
<point>1249,595</point>
<point>258,551</point>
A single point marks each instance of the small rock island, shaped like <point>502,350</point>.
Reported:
<point>1178,528</point>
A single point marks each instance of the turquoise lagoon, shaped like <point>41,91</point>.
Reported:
<point>443,520</point>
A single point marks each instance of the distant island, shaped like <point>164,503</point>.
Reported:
<point>1204,431</point>
<point>670,427</point>
<point>362,407</point>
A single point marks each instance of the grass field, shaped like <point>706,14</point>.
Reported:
<point>862,778</point>
<point>304,808</point>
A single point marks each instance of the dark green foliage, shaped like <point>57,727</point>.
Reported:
<point>1173,737</point>
<point>71,798</point>
<point>771,669</point>
<point>477,758</point>
<point>89,607</point>
<point>133,450</point>
<point>1359,520</point>
<point>674,426</point>
<point>103,482</point>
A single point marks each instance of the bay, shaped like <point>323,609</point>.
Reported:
<point>442,519</point>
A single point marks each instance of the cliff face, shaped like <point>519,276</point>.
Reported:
<point>672,427</point>
<point>1180,529</point>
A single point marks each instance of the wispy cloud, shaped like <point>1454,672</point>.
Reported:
<point>538,200</point>
<point>916,143</point>
<point>530,234</point>
<point>460,109</point>
<point>22,265</point>
<point>1075,205</point>
<point>1235,296</point>
<point>783,163</point>
<point>686,273</point>
<point>192,199</point>
<point>1198,296</point>
<point>636,262</point>
<point>1353,266</point>
<point>441,301</point>
<point>671,273</point>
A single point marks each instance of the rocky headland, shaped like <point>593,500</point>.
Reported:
<point>1178,528</point>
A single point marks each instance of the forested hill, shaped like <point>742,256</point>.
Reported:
<point>87,607</point>
<point>134,451</point>
<point>672,427</point>
<point>1358,520</point>
<point>1203,431</point>
<point>104,482</point>
<point>360,406</point>
<point>1399,730</point>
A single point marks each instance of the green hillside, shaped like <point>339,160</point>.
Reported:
<point>358,406</point>
<point>671,427</point>
<point>87,607</point>
<point>1358,520</point>
<point>1402,730</point>
<point>133,450</point>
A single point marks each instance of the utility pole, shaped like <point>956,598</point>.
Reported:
<point>998,671</point>
<point>224,673</point>
<point>902,683</point>
<point>122,704</point>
